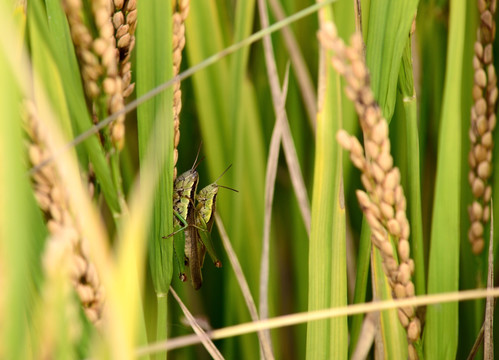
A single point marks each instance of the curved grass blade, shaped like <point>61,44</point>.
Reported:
<point>208,344</point>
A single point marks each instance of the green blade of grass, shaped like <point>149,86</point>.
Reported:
<point>488,344</point>
<point>406,86</point>
<point>472,268</point>
<point>327,249</point>
<point>363,260</point>
<point>210,85</point>
<point>440,338</point>
<point>388,28</point>
<point>14,202</point>
<point>339,326</point>
<point>155,120</point>
<point>133,245</point>
<point>495,205</point>
<point>346,27</point>
<point>392,332</point>
<point>155,67</point>
<point>243,25</point>
<point>432,40</point>
<point>49,80</point>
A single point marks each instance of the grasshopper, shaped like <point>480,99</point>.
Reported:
<point>205,215</point>
<point>195,221</point>
<point>184,190</point>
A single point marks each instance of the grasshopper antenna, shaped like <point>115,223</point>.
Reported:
<point>228,188</point>
<point>222,186</point>
<point>222,174</point>
<point>196,163</point>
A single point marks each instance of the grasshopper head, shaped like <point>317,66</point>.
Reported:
<point>186,184</point>
<point>207,193</point>
<point>207,196</point>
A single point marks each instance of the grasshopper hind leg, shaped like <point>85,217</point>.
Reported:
<point>182,228</point>
<point>206,242</point>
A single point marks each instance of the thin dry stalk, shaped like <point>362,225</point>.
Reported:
<point>357,4</point>
<point>383,203</point>
<point>98,59</point>
<point>477,344</point>
<point>483,122</point>
<point>180,12</point>
<point>241,280</point>
<point>52,199</point>
<point>270,176</point>
<point>295,173</point>
<point>287,138</point>
<point>304,317</point>
<point>479,339</point>
<point>366,337</point>
<point>208,344</point>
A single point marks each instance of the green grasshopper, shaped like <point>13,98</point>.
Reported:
<point>196,222</point>
<point>184,190</point>
<point>205,216</point>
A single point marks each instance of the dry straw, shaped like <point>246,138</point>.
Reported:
<point>98,58</point>
<point>180,12</point>
<point>383,202</point>
<point>64,233</point>
<point>483,122</point>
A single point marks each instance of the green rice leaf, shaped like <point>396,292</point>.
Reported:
<point>327,251</point>
<point>406,86</point>
<point>15,200</point>
<point>388,28</point>
<point>154,67</point>
<point>392,332</point>
<point>363,261</point>
<point>440,338</point>
<point>155,121</point>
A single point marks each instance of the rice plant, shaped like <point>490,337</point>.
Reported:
<point>360,141</point>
